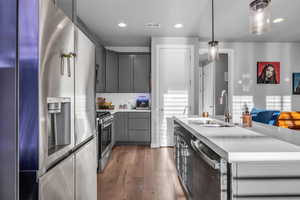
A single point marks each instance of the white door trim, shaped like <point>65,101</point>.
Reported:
<point>230,53</point>
<point>155,110</point>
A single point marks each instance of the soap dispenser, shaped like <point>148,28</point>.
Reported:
<point>246,118</point>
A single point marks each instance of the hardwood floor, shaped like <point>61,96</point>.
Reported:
<point>140,173</point>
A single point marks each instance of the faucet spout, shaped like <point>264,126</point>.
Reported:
<point>226,110</point>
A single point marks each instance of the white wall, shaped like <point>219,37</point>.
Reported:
<point>244,72</point>
<point>122,98</point>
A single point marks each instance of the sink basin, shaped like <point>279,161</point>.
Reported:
<point>208,123</point>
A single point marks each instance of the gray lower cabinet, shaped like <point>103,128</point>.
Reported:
<point>141,73</point>
<point>111,72</point>
<point>125,73</point>
<point>133,128</point>
<point>120,124</point>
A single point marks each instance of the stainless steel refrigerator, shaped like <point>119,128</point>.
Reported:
<point>57,145</point>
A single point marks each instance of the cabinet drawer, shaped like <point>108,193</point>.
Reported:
<point>145,115</point>
<point>268,169</point>
<point>265,187</point>
<point>267,179</point>
<point>139,136</point>
<point>139,124</point>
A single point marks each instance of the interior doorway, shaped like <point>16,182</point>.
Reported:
<point>214,79</point>
<point>174,88</point>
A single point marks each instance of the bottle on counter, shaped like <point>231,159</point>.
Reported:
<point>246,118</point>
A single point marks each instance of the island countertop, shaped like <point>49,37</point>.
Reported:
<point>237,144</point>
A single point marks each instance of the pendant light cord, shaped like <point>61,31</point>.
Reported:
<point>213,21</point>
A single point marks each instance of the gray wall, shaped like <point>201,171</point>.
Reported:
<point>244,70</point>
<point>221,67</point>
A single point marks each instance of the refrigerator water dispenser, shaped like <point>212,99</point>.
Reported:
<point>59,124</point>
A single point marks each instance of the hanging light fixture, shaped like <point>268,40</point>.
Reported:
<point>260,16</point>
<point>213,46</point>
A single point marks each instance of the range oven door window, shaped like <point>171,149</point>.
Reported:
<point>106,137</point>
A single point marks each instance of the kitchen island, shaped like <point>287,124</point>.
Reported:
<point>219,161</point>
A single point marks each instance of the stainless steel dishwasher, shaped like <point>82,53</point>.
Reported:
<point>202,171</point>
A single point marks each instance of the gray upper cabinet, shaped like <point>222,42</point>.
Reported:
<point>100,69</point>
<point>66,6</point>
<point>111,72</point>
<point>141,73</point>
<point>125,73</point>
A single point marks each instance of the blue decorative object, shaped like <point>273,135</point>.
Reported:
<point>265,116</point>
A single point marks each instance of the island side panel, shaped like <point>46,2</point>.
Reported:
<point>266,180</point>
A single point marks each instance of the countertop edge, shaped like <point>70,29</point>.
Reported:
<point>234,157</point>
<point>209,143</point>
<point>123,110</point>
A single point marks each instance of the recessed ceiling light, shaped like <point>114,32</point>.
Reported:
<point>178,26</point>
<point>122,25</point>
<point>278,20</point>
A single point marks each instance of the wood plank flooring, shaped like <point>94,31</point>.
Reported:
<point>140,173</point>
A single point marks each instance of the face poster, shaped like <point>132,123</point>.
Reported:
<point>268,72</point>
<point>296,83</point>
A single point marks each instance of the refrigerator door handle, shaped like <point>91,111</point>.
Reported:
<point>69,66</point>
<point>62,64</point>
<point>70,55</point>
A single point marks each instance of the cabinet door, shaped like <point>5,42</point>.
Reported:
<point>66,6</point>
<point>141,73</point>
<point>121,127</point>
<point>139,136</point>
<point>111,72</point>
<point>139,127</point>
<point>100,69</point>
<point>125,73</point>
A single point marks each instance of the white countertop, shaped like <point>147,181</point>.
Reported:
<point>123,110</point>
<point>237,144</point>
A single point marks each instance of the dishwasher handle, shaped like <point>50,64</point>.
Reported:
<point>213,163</point>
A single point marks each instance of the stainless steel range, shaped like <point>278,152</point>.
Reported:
<point>105,142</point>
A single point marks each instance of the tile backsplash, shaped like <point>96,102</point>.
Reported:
<point>122,98</point>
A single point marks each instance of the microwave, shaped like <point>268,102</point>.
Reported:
<point>142,103</point>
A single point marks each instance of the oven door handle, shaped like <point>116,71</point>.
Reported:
<point>106,124</point>
<point>213,163</point>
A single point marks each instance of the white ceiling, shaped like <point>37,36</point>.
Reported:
<point>102,17</point>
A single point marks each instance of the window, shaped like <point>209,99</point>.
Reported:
<point>238,106</point>
<point>282,103</point>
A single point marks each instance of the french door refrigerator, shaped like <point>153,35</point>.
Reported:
<point>57,148</point>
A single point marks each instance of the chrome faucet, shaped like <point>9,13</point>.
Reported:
<point>226,110</point>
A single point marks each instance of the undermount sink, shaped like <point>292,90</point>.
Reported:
<point>208,123</point>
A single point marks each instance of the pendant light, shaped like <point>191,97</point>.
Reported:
<point>260,16</point>
<point>213,46</point>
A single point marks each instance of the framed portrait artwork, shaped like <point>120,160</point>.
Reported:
<point>268,72</point>
<point>296,83</point>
